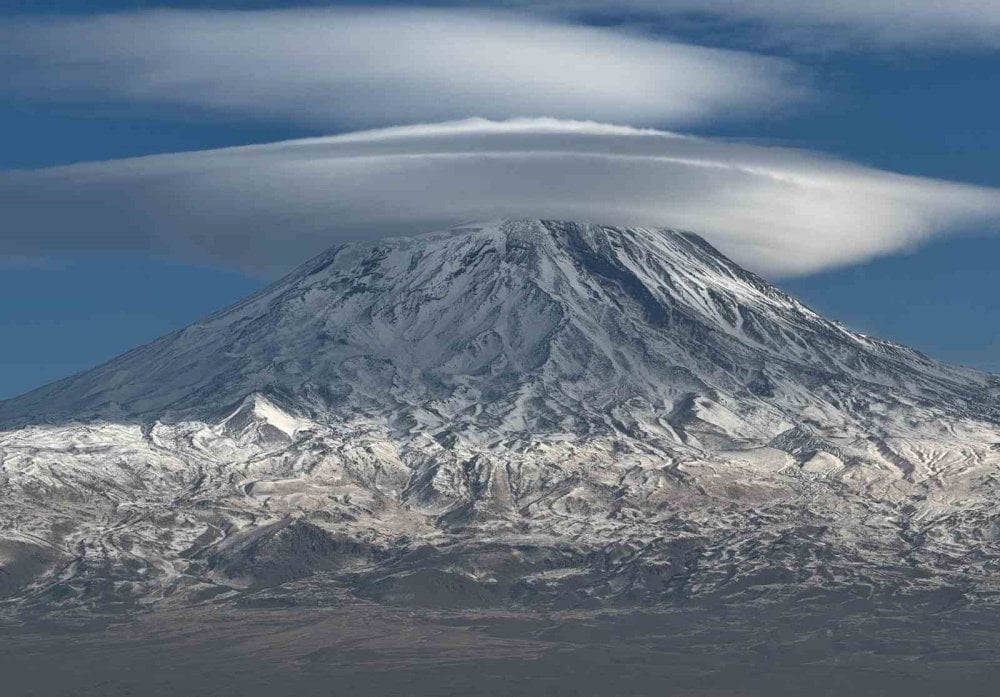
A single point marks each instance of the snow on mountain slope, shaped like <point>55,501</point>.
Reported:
<point>518,411</point>
<point>495,319</point>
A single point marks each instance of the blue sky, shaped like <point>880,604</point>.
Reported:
<point>916,95</point>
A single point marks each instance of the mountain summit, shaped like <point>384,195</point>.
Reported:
<point>514,411</point>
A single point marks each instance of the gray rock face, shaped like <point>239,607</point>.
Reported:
<point>514,412</point>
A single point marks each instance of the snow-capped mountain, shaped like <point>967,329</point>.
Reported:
<point>507,412</point>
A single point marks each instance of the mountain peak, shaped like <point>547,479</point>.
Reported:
<point>257,419</point>
<point>514,326</point>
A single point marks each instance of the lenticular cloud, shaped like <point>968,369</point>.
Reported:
<point>368,67</point>
<point>264,208</point>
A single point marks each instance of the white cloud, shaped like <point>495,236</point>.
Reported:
<point>265,208</point>
<point>367,67</point>
<point>820,23</point>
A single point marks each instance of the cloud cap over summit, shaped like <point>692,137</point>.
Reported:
<point>265,208</point>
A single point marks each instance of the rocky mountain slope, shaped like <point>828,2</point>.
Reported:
<point>509,413</point>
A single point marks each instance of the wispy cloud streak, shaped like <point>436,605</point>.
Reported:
<point>840,24</point>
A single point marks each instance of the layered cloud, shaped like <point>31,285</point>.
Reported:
<point>845,22</point>
<point>264,208</point>
<point>369,67</point>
